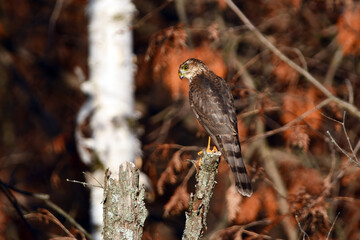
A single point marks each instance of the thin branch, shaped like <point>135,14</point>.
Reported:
<point>343,104</point>
<point>49,203</point>
<point>351,91</point>
<point>357,147</point>
<point>238,229</point>
<point>332,226</point>
<point>151,14</point>
<point>46,216</point>
<point>256,111</point>
<point>64,214</point>
<point>335,62</point>
<point>304,233</point>
<point>286,126</point>
<point>15,204</point>
<point>348,139</point>
<point>354,158</point>
<point>337,145</point>
<point>188,175</point>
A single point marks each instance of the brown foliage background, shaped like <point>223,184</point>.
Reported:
<point>43,62</point>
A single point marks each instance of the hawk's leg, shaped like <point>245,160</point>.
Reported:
<point>214,150</point>
<point>208,146</point>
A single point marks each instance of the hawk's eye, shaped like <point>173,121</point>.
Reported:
<point>186,67</point>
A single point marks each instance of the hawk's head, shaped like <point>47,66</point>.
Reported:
<point>191,68</point>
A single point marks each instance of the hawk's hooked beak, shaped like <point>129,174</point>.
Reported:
<point>181,75</point>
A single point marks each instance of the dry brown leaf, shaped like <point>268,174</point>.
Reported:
<point>284,73</point>
<point>233,201</point>
<point>295,103</point>
<point>349,30</point>
<point>297,136</point>
<point>305,195</point>
<point>249,209</point>
<point>222,4</point>
<point>178,202</point>
<point>167,50</point>
<point>269,202</point>
<point>175,165</point>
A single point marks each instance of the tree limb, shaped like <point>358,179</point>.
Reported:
<point>199,204</point>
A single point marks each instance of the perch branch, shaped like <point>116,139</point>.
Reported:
<point>343,104</point>
<point>200,201</point>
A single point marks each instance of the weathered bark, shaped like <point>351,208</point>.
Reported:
<point>124,208</point>
<point>199,204</point>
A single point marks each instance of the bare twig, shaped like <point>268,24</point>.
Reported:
<point>343,104</point>
<point>45,215</point>
<point>49,203</point>
<point>82,183</point>
<point>286,126</point>
<point>332,226</point>
<point>256,111</point>
<point>351,91</point>
<point>348,139</point>
<point>239,229</point>
<point>357,147</point>
<point>16,206</point>
<point>337,145</point>
<point>303,232</point>
<point>85,184</point>
<point>151,14</point>
<point>335,62</point>
<point>53,19</point>
<point>64,214</point>
<point>352,158</point>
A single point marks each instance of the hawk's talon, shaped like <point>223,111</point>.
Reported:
<point>214,150</point>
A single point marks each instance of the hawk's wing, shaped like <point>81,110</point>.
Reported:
<point>213,104</point>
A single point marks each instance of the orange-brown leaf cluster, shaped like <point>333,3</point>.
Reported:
<point>349,30</point>
<point>285,74</point>
<point>296,103</point>
<point>243,210</point>
<point>170,174</point>
<point>167,50</point>
<point>178,202</point>
<point>306,195</point>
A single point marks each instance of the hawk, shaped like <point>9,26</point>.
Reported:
<point>213,105</point>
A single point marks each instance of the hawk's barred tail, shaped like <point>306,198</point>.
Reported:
<point>229,146</point>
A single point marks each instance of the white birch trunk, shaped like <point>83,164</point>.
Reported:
<point>110,105</point>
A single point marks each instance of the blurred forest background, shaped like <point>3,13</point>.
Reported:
<point>304,170</point>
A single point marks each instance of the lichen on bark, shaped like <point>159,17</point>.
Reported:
<point>124,207</point>
<point>200,201</point>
